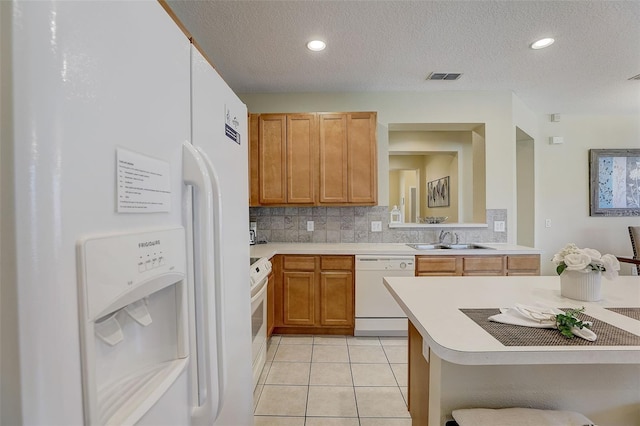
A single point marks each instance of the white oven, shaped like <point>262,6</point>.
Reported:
<point>260,268</point>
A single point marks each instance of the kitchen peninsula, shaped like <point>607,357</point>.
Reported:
<point>454,363</point>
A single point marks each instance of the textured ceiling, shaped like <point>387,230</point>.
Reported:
<point>377,46</point>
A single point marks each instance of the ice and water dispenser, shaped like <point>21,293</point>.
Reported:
<point>134,323</point>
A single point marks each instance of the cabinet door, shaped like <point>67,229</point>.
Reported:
<point>333,158</point>
<point>299,302</point>
<point>254,163</point>
<point>362,165</point>
<point>336,298</point>
<point>483,265</point>
<point>437,266</point>
<point>302,136</point>
<point>525,264</point>
<point>272,137</point>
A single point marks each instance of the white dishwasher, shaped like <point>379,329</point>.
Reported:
<point>377,312</point>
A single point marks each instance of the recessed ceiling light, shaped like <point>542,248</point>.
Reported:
<point>542,43</point>
<point>316,45</point>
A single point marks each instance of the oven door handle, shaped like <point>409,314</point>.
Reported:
<point>263,288</point>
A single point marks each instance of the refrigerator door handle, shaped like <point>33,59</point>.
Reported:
<point>207,292</point>
<point>218,261</point>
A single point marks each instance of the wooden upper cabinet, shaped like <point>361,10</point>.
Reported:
<point>362,164</point>
<point>333,158</point>
<point>313,159</point>
<point>282,158</point>
<point>348,158</point>
<point>254,178</point>
<point>302,136</point>
<point>272,157</point>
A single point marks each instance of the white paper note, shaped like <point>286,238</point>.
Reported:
<point>143,183</point>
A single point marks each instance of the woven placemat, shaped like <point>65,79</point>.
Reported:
<point>514,335</point>
<point>627,312</point>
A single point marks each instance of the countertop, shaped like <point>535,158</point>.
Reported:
<point>271,249</point>
<point>433,306</point>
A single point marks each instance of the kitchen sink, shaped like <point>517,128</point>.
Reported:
<point>427,246</point>
<point>437,246</point>
<point>466,247</point>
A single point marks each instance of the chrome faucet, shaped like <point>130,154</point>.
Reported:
<point>452,237</point>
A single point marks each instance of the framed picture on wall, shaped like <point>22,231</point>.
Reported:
<point>438,192</point>
<point>614,183</point>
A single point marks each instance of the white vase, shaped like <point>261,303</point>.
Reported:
<point>581,286</point>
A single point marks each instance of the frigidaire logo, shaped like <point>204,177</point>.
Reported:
<point>148,244</point>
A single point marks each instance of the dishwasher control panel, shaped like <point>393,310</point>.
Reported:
<point>385,263</point>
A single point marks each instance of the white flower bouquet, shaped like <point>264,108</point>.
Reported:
<point>572,258</point>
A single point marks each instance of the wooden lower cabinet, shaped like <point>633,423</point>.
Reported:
<point>418,374</point>
<point>523,264</point>
<point>336,299</point>
<point>299,291</point>
<point>314,294</point>
<point>483,265</point>
<point>437,265</point>
<point>478,265</point>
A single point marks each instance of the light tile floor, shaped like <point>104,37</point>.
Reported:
<point>333,381</point>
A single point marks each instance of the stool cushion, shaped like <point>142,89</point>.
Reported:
<point>518,416</point>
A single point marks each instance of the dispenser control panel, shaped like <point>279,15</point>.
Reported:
<point>151,255</point>
<point>115,264</point>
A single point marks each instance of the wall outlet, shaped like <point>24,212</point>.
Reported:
<point>309,225</point>
<point>499,226</point>
<point>376,226</point>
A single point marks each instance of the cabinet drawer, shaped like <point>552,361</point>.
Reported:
<point>299,263</point>
<point>436,264</point>
<point>483,264</point>
<point>341,263</point>
<point>525,262</point>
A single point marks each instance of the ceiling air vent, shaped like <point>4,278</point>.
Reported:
<point>444,76</point>
<point>635,77</point>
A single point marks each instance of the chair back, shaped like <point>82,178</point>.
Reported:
<point>634,234</point>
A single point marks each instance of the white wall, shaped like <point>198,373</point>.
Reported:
<point>479,195</point>
<point>525,171</point>
<point>562,185</point>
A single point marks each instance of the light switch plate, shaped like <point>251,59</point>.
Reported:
<point>376,226</point>
<point>499,226</point>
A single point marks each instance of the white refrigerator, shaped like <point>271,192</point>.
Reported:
<point>124,292</point>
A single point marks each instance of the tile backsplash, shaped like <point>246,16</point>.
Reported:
<point>353,225</point>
